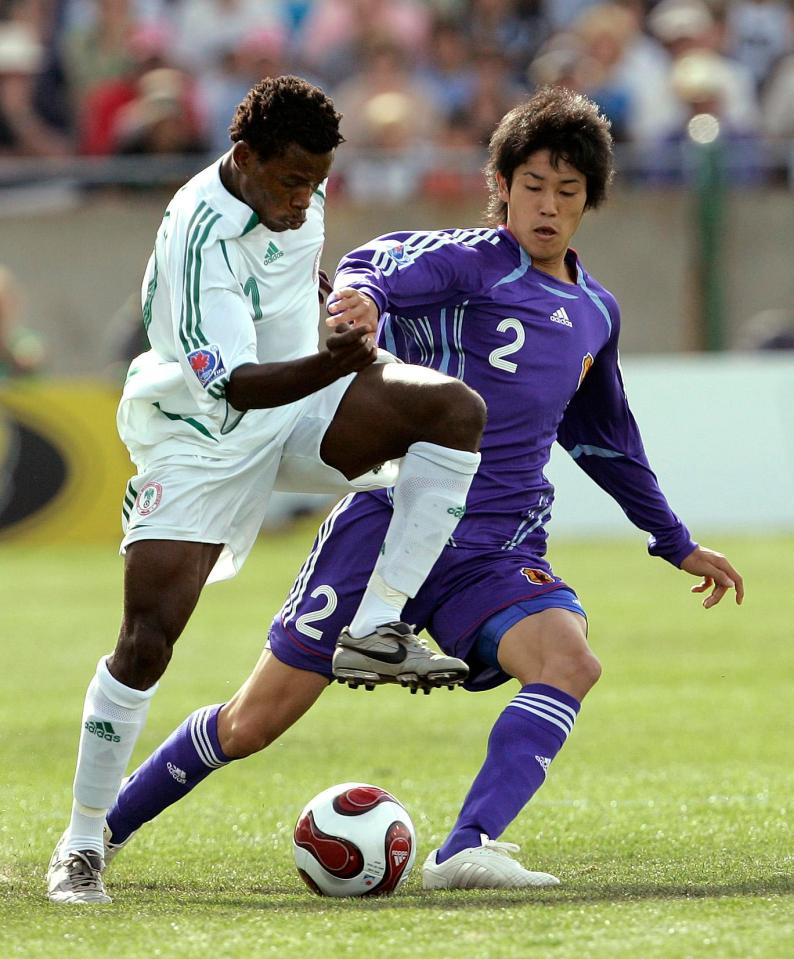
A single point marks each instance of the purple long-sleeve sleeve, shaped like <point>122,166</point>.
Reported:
<point>599,431</point>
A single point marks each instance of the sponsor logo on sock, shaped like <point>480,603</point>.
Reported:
<point>102,730</point>
<point>457,511</point>
<point>179,774</point>
<point>543,762</point>
<point>273,253</point>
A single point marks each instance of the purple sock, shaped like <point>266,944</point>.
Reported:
<point>188,756</point>
<point>525,738</point>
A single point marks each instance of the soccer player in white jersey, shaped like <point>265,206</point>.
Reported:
<point>235,395</point>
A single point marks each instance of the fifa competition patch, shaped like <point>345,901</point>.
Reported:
<point>400,253</point>
<point>207,364</point>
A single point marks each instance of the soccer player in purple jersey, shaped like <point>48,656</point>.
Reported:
<point>511,311</point>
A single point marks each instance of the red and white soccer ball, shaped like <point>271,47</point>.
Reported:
<point>354,840</point>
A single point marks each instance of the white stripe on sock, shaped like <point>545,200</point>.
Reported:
<point>555,702</point>
<point>547,707</point>
<point>535,712</point>
<point>201,742</point>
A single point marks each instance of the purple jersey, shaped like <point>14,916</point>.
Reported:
<point>542,353</point>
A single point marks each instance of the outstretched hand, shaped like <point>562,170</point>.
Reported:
<point>718,575</point>
<point>353,308</point>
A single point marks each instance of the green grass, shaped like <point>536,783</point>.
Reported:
<point>667,814</point>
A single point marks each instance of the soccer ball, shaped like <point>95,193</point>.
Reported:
<point>354,840</point>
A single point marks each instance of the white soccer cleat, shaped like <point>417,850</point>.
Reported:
<point>112,849</point>
<point>393,654</point>
<point>76,877</point>
<point>488,866</point>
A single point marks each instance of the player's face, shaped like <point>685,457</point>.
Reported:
<point>279,190</point>
<point>545,204</point>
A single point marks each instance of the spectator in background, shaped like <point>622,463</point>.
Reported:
<point>777,100</point>
<point>23,131</point>
<point>495,92</point>
<point>688,26</point>
<point>447,73</point>
<point>558,63</point>
<point>623,70</point>
<point>99,112</point>
<point>758,33</point>
<point>21,349</point>
<point>386,110</point>
<point>96,50</point>
<point>241,66</point>
<point>517,28</point>
<point>603,33</point>
<point>370,101</point>
<point>455,170</point>
<point>205,30</point>
<point>162,118</point>
<point>333,32</point>
<point>702,81</point>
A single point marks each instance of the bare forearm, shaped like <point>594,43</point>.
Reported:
<point>257,386</point>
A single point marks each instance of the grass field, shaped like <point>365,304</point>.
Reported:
<point>667,815</point>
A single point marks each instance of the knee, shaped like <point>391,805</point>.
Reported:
<point>587,670</point>
<point>462,416</point>
<point>142,653</point>
<point>574,671</point>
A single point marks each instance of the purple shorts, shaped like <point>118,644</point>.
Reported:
<point>465,588</point>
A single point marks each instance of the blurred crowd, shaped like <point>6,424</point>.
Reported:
<point>419,79</point>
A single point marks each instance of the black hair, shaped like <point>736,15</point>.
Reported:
<point>569,126</point>
<point>279,111</point>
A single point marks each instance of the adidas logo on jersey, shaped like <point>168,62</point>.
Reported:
<point>561,317</point>
<point>273,253</point>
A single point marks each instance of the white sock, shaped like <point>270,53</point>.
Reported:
<point>429,501</point>
<point>113,717</point>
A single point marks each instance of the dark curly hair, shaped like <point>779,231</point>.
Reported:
<point>566,124</point>
<point>279,111</point>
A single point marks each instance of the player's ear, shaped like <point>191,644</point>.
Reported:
<point>242,155</point>
<point>502,187</point>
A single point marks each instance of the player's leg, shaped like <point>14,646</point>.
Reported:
<point>162,583</point>
<point>549,655</point>
<point>273,697</point>
<point>435,424</point>
<point>290,674</point>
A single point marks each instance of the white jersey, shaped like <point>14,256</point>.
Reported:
<point>220,290</point>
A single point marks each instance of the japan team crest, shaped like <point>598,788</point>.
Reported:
<point>149,498</point>
<point>207,363</point>
<point>538,577</point>
<point>587,362</point>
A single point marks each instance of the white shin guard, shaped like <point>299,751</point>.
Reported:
<point>429,502</point>
<point>113,717</point>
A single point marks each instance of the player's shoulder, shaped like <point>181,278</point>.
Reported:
<point>405,247</point>
<point>205,211</point>
<point>596,289</point>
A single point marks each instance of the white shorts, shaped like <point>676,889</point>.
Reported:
<point>207,500</point>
